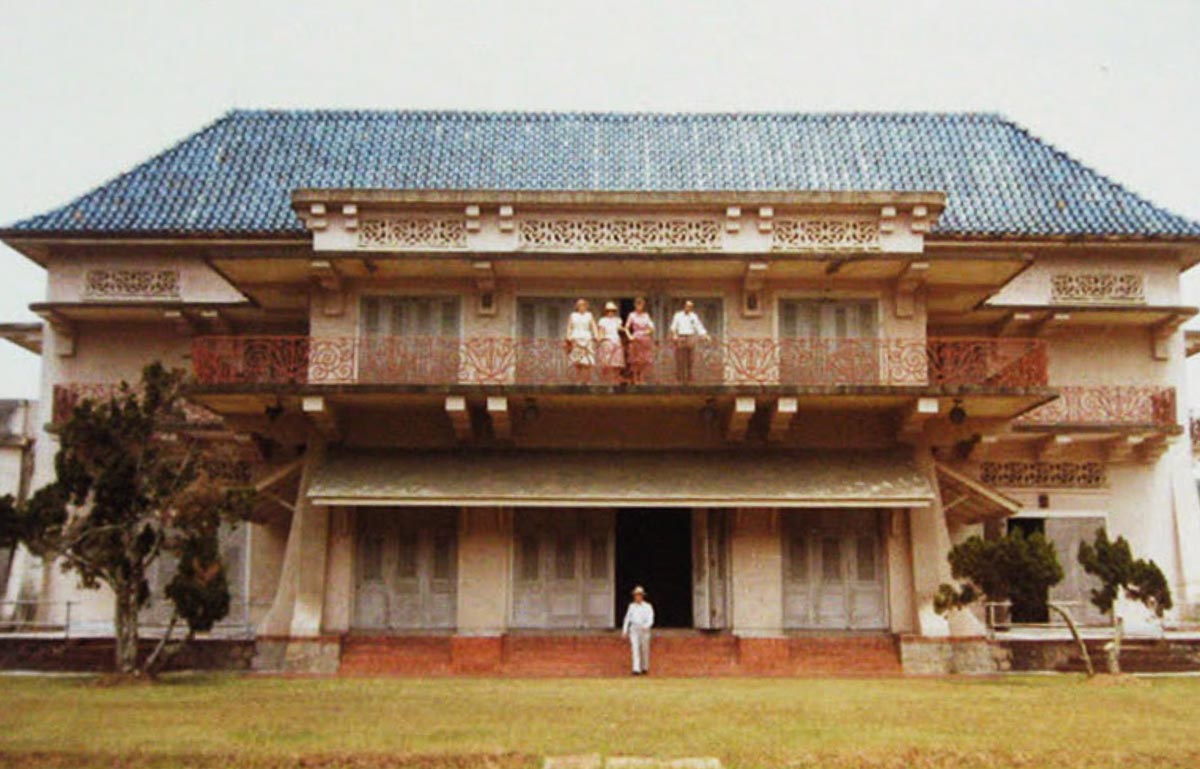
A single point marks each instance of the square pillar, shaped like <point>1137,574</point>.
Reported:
<point>756,562</point>
<point>484,570</point>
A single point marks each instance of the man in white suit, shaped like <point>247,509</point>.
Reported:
<point>639,618</point>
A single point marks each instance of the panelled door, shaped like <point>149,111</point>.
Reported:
<point>828,342</point>
<point>409,339</point>
<point>834,570</point>
<point>406,568</point>
<point>1075,590</point>
<point>563,568</point>
<point>710,568</point>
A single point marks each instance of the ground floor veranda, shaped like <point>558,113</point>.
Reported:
<point>758,563</point>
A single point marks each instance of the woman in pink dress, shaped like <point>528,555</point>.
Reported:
<point>640,330</point>
<point>612,354</point>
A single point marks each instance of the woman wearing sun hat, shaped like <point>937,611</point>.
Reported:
<point>639,618</point>
<point>612,355</point>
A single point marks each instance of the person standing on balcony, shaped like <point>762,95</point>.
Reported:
<point>640,330</point>
<point>686,330</point>
<point>582,334</point>
<point>612,354</point>
<point>639,618</point>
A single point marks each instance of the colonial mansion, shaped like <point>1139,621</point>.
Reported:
<point>905,329</point>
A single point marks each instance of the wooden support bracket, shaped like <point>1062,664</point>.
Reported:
<point>739,420</point>
<point>781,418</point>
<point>322,416</point>
<point>333,295</point>
<point>497,409</point>
<point>460,417</point>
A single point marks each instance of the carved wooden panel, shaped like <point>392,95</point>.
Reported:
<point>826,235</point>
<point>1024,474</point>
<point>413,232</point>
<point>131,284</point>
<point>1098,288</point>
<point>621,234</point>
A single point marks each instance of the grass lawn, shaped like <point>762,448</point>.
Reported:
<point>230,721</point>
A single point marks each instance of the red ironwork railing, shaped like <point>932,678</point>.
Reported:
<point>292,360</point>
<point>1107,405</point>
<point>68,396</point>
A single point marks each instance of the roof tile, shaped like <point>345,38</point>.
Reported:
<point>236,175</point>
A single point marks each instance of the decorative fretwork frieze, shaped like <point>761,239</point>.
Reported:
<point>1048,475</point>
<point>826,235</point>
<point>621,234</point>
<point>131,284</point>
<point>413,232</point>
<point>1098,288</point>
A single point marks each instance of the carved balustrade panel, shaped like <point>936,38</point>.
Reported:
<point>1044,475</point>
<point>1098,288</point>
<point>1107,405</point>
<point>131,284</point>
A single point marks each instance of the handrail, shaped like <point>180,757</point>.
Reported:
<point>300,360</point>
<point>22,616</point>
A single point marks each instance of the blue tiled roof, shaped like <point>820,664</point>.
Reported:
<point>236,175</point>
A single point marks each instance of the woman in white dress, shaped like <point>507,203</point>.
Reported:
<point>612,353</point>
<point>582,334</point>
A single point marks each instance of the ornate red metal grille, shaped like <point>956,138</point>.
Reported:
<point>1107,405</point>
<point>68,396</point>
<point>283,360</point>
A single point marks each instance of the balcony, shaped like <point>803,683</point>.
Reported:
<point>264,362</point>
<point>1104,407</point>
<point>68,396</point>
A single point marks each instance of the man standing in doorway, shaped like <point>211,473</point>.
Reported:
<point>686,330</point>
<point>639,618</point>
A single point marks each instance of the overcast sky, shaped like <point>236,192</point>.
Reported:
<point>90,89</point>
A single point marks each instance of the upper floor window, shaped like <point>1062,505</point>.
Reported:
<point>409,339</point>
<point>821,319</point>
<point>408,316</point>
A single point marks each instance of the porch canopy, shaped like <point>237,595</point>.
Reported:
<point>618,478</point>
<point>966,500</point>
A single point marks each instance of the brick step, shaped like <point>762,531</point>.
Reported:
<point>608,655</point>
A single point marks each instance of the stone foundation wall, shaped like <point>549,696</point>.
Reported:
<point>96,655</point>
<point>946,656</point>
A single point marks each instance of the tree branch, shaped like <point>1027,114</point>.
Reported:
<point>1083,650</point>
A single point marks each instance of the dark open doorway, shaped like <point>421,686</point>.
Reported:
<point>654,550</point>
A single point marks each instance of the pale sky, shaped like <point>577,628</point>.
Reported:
<point>88,89</point>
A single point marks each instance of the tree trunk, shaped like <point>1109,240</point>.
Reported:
<point>1083,650</point>
<point>127,627</point>
<point>1112,649</point>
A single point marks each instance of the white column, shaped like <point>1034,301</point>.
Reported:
<point>484,570</point>
<point>757,573</point>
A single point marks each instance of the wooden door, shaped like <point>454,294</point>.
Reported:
<point>409,340</point>
<point>828,342</point>
<point>834,570</point>
<point>563,568</point>
<point>406,569</point>
<point>710,568</point>
<point>1075,590</point>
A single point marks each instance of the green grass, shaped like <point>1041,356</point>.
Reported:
<point>273,722</point>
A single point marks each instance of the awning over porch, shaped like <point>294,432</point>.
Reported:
<point>621,479</point>
<point>966,500</point>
